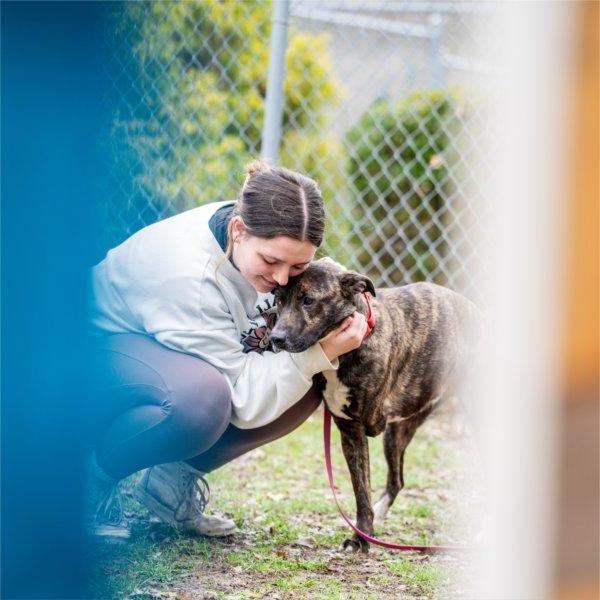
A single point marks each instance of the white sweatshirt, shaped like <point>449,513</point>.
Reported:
<point>163,281</point>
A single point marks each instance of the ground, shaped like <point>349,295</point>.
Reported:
<point>290,533</point>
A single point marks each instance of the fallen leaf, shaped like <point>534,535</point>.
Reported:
<point>275,497</point>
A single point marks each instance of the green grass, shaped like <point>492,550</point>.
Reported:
<point>426,577</point>
<point>127,567</point>
<point>290,530</point>
<point>273,563</point>
<point>294,584</point>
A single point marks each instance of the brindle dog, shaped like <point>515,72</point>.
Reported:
<point>413,358</point>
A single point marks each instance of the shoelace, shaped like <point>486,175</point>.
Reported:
<point>196,494</point>
<point>110,509</point>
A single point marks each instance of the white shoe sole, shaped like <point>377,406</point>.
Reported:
<point>219,528</point>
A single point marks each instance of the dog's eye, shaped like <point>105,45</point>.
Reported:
<point>307,301</point>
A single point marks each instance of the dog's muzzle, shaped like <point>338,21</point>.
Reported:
<point>280,340</point>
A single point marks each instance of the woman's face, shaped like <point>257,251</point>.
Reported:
<point>265,263</point>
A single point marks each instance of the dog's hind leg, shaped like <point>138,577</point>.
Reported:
<point>396,438</point>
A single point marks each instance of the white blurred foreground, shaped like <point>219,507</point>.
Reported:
<point>541,356</point>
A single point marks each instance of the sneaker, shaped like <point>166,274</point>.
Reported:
<point>103,509</point>
<point>177,494</point>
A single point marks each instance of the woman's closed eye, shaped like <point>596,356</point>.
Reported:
<point>295,270</point>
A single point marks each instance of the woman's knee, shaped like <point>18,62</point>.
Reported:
<point>200,406</point>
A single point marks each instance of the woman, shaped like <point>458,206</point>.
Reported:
<point>186,379</point>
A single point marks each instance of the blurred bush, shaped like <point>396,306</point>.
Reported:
<point>403,171</point>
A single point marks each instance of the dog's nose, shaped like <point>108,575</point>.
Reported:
<point>278,338</point>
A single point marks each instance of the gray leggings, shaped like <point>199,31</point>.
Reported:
<point>152,405</point>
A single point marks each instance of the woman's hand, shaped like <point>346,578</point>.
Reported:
<point>348,336</point>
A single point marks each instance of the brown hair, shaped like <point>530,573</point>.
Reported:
<point>275,201</point>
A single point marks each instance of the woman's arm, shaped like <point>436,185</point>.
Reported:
<point>263,386</point>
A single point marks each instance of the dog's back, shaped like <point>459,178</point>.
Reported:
<point>425,335</point>
<point>426,310</point>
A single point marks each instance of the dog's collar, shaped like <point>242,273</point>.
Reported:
<point>370,315</point>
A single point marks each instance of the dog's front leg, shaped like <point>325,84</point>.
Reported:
<point>356,451</point>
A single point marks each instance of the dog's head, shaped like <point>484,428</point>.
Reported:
<point>315,303</point>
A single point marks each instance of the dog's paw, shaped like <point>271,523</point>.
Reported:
<point>349,545</point>
<point>353,545</point>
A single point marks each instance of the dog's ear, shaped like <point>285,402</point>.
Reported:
<point>356,284</point>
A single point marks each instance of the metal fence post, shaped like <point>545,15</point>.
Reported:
<point>436,22</point>
<point>271,134</point>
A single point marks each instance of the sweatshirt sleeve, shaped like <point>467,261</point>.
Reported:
<point>263,386</point>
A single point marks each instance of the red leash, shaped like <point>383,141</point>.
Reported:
<point>406,547</point>
<point>371,320</point>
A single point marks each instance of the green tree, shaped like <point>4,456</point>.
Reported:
<point>202,71</point>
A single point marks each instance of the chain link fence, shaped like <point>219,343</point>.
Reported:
<point>383,106</point>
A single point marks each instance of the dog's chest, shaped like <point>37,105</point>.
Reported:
<point>336,394</point>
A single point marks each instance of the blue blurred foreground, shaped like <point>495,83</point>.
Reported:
<point>53,120</point>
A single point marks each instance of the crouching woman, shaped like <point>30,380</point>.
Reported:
<point>185,380</point>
